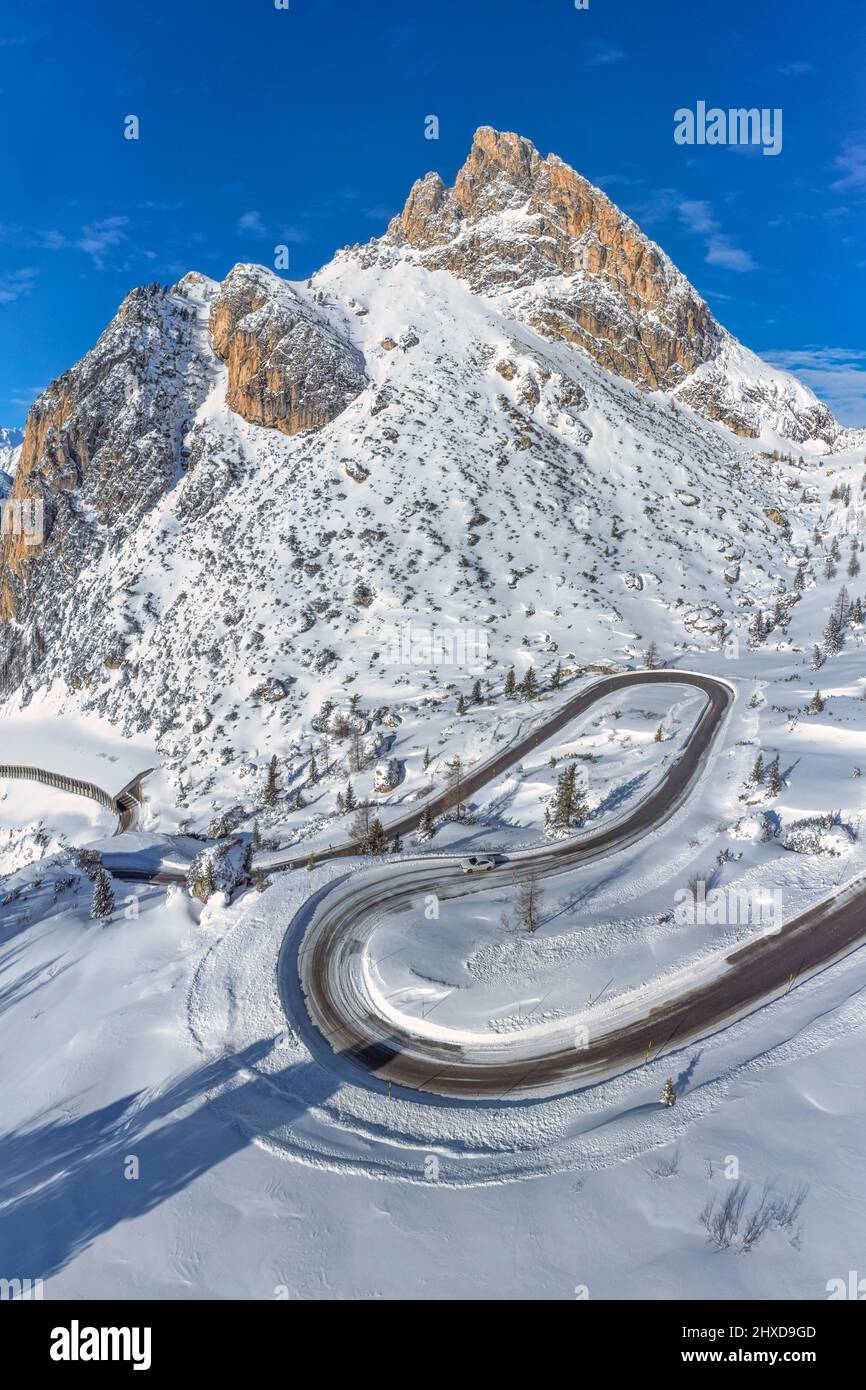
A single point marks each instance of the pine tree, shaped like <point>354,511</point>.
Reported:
<point>817,658</point>
<point>477,697</point>
<point>668,1095</point>
<point>102,903</point>
<point>313,775</point>
<point>426,760</point>
<point>651,658</point>
<point>425,828</point>
<point>857,612</point>
<point>325,750</point>
<point>341,804</point>
<point>378,837</point>
<point>350,800</point>
<point>757,776</point>
<point>816,704</point>
<point>569,802</point>
<point>557,677</point>
<point>461,705</point>
<point>853,566</point>
<point>357,752</point>
<point>360,830</point>
<point>833,635</point>
<point>800,581</point>
<point>529,684</point>
<point>774,777</point>
<point>842,606</point>
<point>510,683</point>
<point>256,837</point>
<point>208,882</point>
<point>454,785</point>
<point>271,786</point>
<point>396,845</point>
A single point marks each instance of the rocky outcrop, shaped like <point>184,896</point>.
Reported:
<point>749,396</point>
<point>514,222</point>
<point>554,251</point>
<point>287,367</point>
<point>102,444</point>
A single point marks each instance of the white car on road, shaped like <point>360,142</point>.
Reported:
<point>477,864</point>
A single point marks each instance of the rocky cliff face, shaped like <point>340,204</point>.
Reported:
<point>287,367</point>
<point>247,486</point>
<point>514,222</point>
<point>108,440</point>
<point>103,444</point>
<point>556,252</point>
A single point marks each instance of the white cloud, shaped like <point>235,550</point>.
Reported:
<point>251,224</point>
<point>722,251</point>
<point>99,236</point>
<point>836,375</point>
<point>600,54</point>
<point>697,216</point>
<point>16,284</point>
<point>852,161</point>
<point>24,396</point>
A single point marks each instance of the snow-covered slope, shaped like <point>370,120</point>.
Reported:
<point>484,480</point>
<point>271,509</point>
<point>251,489</point>
<point>10,450</point>
<point>760,401</point>
<point>547,247</point>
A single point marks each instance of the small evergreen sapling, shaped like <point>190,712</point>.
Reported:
<point>271,786</point>
<point>102,903</point>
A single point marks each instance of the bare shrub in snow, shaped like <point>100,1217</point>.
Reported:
<point>816,835</point>
<point>728,1224</point>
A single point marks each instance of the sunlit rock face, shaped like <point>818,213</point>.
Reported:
<point>287,367</point>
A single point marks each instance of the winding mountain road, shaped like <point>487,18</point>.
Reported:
<point>719,694</point>
<point>327,978</point>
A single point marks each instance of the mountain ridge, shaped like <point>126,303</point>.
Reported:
<point>558,252</point>
<point>250,486</point>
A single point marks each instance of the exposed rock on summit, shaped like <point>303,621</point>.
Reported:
<point>514,221</point>
<point>555,252</point>
<point>287,367</point>
<point>103,443</point>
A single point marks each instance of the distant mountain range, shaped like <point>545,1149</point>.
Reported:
<point>10,448</point>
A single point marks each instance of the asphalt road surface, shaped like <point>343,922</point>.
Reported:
<point>324,963</point>
<point>719,694</point>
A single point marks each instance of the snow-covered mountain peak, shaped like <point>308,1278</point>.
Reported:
<point>250,486</point>
<point>553,250</point>
<point>10,451</point>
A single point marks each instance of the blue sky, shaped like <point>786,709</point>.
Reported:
<point>306,127</point>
